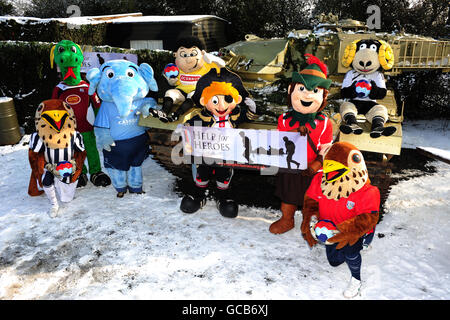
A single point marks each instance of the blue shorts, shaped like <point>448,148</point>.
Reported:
<point>127,153</point>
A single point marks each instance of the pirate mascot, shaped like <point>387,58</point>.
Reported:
<point>307,97</point>
<point>226,104</point>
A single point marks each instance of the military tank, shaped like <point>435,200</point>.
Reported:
<point>265,66</point>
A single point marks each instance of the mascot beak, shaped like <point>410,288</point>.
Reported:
<point>55,118</point>
<point>333,170</point>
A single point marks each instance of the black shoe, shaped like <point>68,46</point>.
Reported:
<point>190,204</point>
<point>121,194</point>
<point>378,129</point>
<point>228,208</point>
<point>100,179</point>
<point>350,125</point>
<point>82,180</point>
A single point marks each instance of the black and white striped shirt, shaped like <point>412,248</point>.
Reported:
<point>54,156</point>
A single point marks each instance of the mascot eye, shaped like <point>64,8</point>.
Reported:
<point>61,49</point>
<point>373,47</point>
<point>356,158</point>
<point>194,54</point>
<point>215,100</point>
<point>301,88</point>
<point>316,90</point>
<point>73,49</point>
<point>130,73</point>
<point>110,74</point>
<point>363,46</point>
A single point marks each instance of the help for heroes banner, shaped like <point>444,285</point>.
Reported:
<point>245,147</point>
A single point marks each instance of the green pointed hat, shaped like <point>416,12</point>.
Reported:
<point>314,75</point>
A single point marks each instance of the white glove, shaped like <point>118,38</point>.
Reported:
<point>74,165</point>
<point>312,226</point>
<point>250,104</point>
<point>210,58</point>
<point>52,168</point>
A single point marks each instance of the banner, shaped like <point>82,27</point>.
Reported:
<point>96,59</point>
<point>244,148</point>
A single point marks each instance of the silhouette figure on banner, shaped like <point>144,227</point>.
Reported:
<point>247,146</point>
<point>290,151</point>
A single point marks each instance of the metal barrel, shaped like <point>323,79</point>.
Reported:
<point>9,126</point>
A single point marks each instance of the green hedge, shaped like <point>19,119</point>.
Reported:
<point>26,76</point>
<point>51,30</point>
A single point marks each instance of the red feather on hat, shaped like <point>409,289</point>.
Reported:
<point>314,60</point>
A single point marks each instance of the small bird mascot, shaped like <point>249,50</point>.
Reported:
<point>191,62</point>
<point>226,104</point>
<point>74,91</point>
<point>307,96</point>
<point>56,153</point>
<point>342,200</point>
<point>364,84</point>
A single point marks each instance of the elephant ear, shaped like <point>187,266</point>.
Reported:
<point>147,73</point>
<point>93,76</point>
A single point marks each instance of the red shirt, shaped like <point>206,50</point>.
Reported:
<point>322,134</point>
<point>80,101</point>
<point>365,200</point>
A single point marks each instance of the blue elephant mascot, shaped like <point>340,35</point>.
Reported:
<point>122,86</point>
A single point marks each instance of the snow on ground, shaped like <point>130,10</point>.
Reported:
<point>143,247</point>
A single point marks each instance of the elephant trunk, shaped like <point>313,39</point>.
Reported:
<point>123,92</point>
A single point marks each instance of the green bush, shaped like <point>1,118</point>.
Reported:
<point>26,76</point>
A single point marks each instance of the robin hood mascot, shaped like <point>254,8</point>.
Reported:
<point>341,210</point>
<point>226,104</point>
<point>364,84</point>
<point>74,91</point>
<point>191,62</point>
<point>56,153</point>
<point>307,97</point>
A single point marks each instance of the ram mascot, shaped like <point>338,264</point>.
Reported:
<point>364,84</point>
<point>74,91</point>
<point>123,86</point>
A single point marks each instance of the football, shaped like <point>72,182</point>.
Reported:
<point>363,88</point>
<point>64,168</point>
<point>324,230</point>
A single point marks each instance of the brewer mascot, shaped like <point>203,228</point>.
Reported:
<point>364,84</point>
<point>341,209</point>
<point>56,153</point>
<point>226,104</point>
<point>123,86</point>
<point>191,62</point>
<point>307,96</point>
<point>74,91</point>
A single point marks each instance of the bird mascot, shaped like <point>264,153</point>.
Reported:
<point>56,153</point>
<point>341,210</point>
<point>364,84</point>
<point>74,91</point>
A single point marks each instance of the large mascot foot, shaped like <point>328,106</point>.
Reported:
<point>191,204</point>
<point>100,179</point>
<point>378,129</point>
<point>350,128</point>
<point>227,208</point>
<point>286,222</point>
<point>82,180</point>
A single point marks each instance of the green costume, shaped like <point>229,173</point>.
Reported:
<point>74,91</point>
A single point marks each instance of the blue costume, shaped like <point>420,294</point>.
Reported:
<point>122,86</point>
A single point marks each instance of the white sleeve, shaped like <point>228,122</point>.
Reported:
<point>379,80</point>
<point>347,82</point>
<point>79,144</point>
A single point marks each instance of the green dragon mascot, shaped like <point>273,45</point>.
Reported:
<point>74,91</point>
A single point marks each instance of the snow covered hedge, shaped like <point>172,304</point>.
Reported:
<point>26,76</point>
